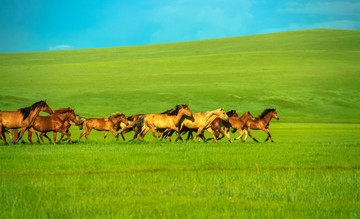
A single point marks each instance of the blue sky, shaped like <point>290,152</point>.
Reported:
<point>43,25</point>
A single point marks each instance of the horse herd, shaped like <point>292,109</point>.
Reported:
<point>163,125</point>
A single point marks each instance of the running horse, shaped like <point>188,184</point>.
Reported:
<point>59,121</point>
<point>103,124</point>
<point>236,122</point>
<point>203,121</point>
<point>262,123</point>
<point>23,118</point>
<point>136,122</point>
<point>166,122</point>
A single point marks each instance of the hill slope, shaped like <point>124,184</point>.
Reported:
<point>310,75</point>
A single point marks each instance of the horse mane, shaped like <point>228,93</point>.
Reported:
<point>64,110</point>
<point>114,116</point>
<point>175,110</point>
<point>231,113</point>
<point>26,111</point>
<point>266,112</point>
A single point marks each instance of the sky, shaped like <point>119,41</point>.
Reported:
<point>44,25</point>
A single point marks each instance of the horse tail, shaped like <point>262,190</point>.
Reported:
<point>139,124</point>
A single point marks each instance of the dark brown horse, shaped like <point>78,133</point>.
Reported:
<point>262,123</point>
<point>22,118</point>
<point>56,122</point>
<point>103,124</point>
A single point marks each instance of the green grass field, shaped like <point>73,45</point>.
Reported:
<point>312,170</point>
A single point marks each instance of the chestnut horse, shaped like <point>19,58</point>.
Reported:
<point>262,123</point>
<point>79,122</point>
<point>203,121</point>
<point>236,122</point>
<point>166,122</point>
<point>56,122</point>
<point>22,118</point>
<point>103,124</point>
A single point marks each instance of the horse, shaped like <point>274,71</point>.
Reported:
<point>262,123</point>
<point>203,121</point>
<point>103,124</point>
<point>129,127</point>
<point>57,122</point>
<point>79,122</point>
<point>166,122</point>
<point>236,122</point>
<point>136,126</point>
<point>23,118</point>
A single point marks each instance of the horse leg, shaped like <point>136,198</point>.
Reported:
<point>248,130</point>
<point>13,135</point>
<point>47,137</point>
<point>227,133</point>
<point>2,134</point>
<point>20,135</point>
<point>82,133</point>
<point>106,132</point>
<point>142,134</point>
<point>68,135</point>
<point>246,134</point>
<point>114,133</point>
<point>30,132</point>
<point>85,132</point>
<point>55,133</point>
<point>212,132</point>
<point>269,135</point>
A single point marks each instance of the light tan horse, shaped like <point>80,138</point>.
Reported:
<point>262,123</point>
<point>22,118</point>
<point>203,121</point>
<point>56,122</point>
<point>154,122</point>
<point>103,124</point>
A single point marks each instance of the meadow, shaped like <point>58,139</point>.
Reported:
<point>312,170</point>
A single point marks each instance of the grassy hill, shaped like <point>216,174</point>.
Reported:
<point>310,75</point>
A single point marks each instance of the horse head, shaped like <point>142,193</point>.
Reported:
<point>79,121</point>
<point>185,111</point>
<point>45,107</point>
<point>221,114</point>
<point>250,116</point>
<point>232,114</point>
<point>275,115</point>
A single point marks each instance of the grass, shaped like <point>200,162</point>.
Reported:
<point>312,170</point>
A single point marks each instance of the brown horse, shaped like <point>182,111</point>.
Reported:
<point>56,122</point>
<point>236,122</point>
<point>79,122</point>
<point>203,121</point>
<point>103,124</point>
<point>262,123</point>
<point>22,118</point>
<point>166,122</point>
